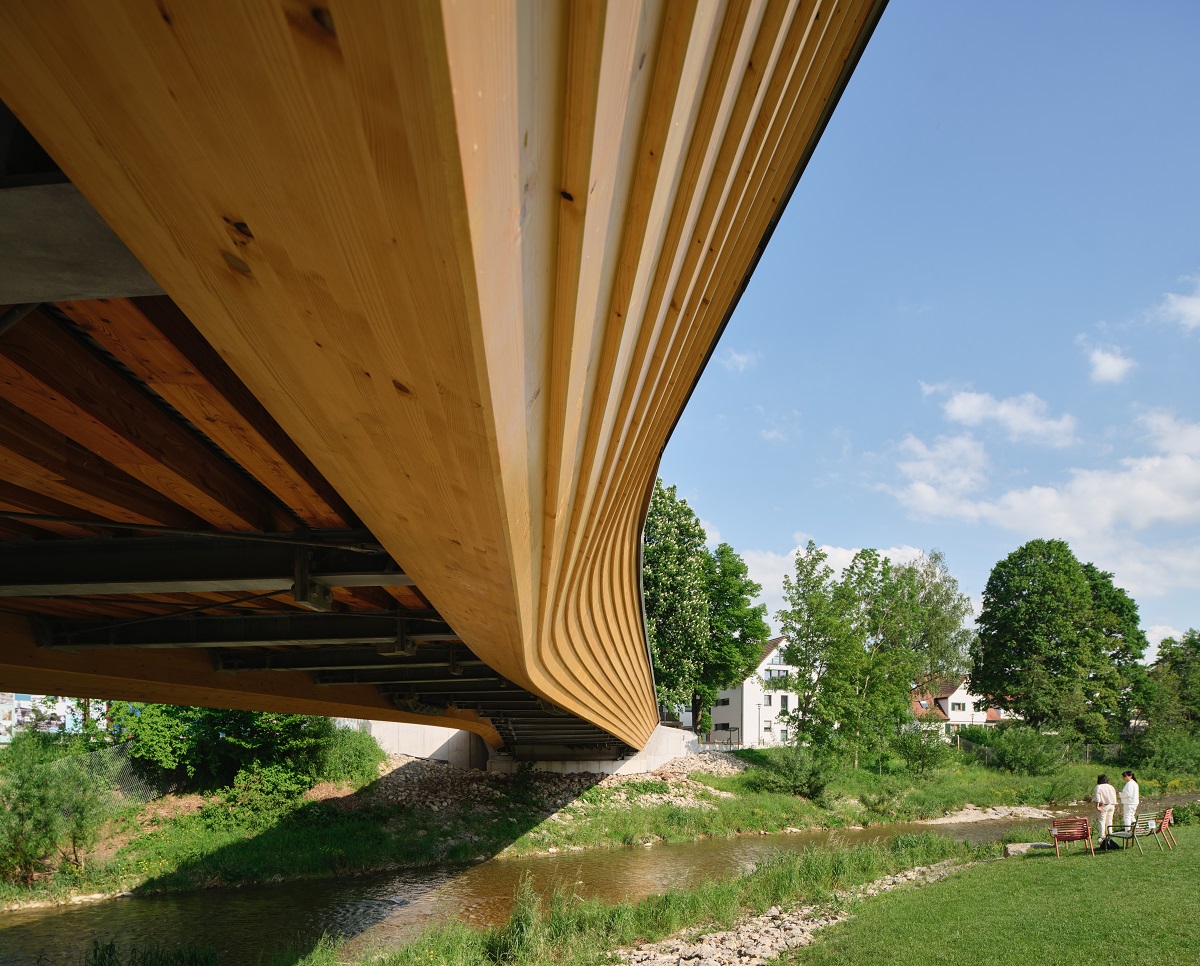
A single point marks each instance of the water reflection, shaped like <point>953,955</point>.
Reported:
<point>384,908</point>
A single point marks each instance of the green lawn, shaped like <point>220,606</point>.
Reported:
<point>1116,908</point>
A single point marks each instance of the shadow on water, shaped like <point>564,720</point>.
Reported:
<point>299,878</point>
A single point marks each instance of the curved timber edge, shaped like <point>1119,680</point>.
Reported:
<point>470,257</point>
<point>188,678</point>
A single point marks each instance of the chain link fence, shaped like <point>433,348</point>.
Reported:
<point>111,768</point>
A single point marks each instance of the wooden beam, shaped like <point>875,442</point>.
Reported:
<point>44,370</point>
<point>34,456</point>
<point>188,678</point>
<point>162,348</point>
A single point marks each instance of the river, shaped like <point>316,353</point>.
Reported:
<point>381,909</point>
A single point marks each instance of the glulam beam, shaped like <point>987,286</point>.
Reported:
<point>471,257</point>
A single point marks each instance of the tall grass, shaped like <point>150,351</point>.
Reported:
<point>570,930</point>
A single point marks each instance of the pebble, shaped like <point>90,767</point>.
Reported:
<point>760,939</point>
<point>442,787</point>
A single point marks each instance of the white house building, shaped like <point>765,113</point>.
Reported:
<point>748,715</point>
<point>951,705</point>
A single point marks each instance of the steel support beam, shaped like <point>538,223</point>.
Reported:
<point>173,565</point>
<point>250,630</point>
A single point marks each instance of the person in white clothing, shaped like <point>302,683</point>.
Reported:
<point>1105,797</point>
<point>1130,797</point>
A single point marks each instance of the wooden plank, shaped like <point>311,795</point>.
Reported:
<point>44,370</point>
<point>36,457</point>
<point>163,349</point>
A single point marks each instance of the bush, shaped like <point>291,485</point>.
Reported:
<point>922,749</point>
<point>351,757</point>
<point>1023,751</point>
<point>792,770</point>
<point>257,799</point>
<point>1168,751</point>
<point>47,803</point>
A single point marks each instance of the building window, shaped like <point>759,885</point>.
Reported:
<point>957,706</point>
<point>924,704</point>
<point>766,700</point>
<point>767,725</point>
<point>783,702</point>
<point>721,726</point>
<point>722,702</point>
<point>783,734</point>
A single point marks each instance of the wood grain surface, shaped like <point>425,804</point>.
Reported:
<point>470,256</point>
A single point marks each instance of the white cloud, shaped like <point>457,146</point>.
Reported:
<point>768,568</point>
<point>1156,634</point>
<point>1171,435</point>
<point>1104,513</point>
<point>780,427</point>
<point>1184,309</point>
<point>1025,417</point>
<point>1109,365</point>
<point>736,361</point>
<point>942,476</point>
<point>712,536</point>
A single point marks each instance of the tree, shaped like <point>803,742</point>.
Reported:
<point>1038,652</point>
<point>1176,672</point>
<point>674,587</point>
<point>1122,644</point>
<point>860,642</point>
<point>737,631</point>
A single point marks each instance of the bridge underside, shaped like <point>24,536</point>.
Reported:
<point>358,410</point>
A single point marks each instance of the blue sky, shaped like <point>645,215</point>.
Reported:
<point>979,320</point>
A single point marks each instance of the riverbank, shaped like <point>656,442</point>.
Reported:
<point>422,813</point>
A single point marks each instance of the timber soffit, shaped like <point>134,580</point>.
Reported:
<point>497,242</point>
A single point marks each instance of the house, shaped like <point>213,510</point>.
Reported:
<point>19,711</point>
<point>749,715</point>
<point>951,705</point>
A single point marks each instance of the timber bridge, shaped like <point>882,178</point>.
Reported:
<point>339,343</point>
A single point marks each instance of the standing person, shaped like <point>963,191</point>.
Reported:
<point>1105,797</point>
<point>1130,796</point>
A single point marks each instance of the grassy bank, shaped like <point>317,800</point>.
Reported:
<point>218,845</point>
<point>1117,908</point>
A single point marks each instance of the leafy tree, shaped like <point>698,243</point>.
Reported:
<point>817,628</point>
<point>31,819</point>
<point>675,585</point>
<point>1121,642</point>
<point>1036,652</point>
<point>922,746</point>
<point>1059,643</point>
<point>1177,668</point>
<point>860,642</point>
<point>737,631</point>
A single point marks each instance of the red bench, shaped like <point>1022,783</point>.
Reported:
<point>1072,830</point>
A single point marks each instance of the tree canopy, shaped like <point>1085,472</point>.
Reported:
<point>706,633</point>
<point>860,642</point>
<point>1058,642</point>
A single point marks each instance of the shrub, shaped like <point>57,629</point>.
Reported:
<point>351,757</point>
<point>922,749</point>
<point>1023,751</point>
<point>792,770</point>
<point>258,797</point>
<point>1168,750</point>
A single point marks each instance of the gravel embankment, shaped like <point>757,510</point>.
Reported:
<point>438,786</point>
<point>759,939</point>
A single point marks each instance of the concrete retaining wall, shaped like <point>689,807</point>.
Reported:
<point>664,745</point>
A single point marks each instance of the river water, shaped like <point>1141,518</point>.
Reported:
<point>382,909</point>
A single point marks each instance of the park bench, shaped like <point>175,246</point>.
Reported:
<point>1072,830</point>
